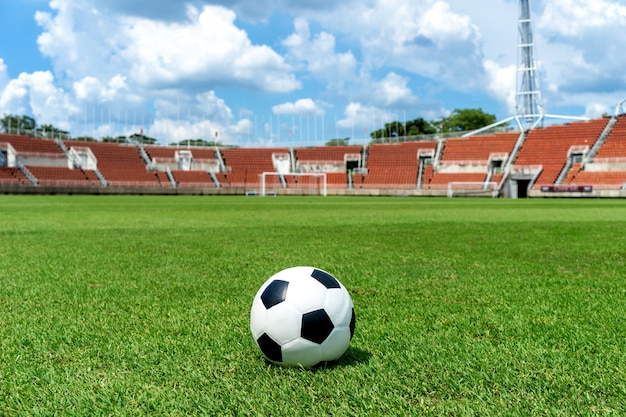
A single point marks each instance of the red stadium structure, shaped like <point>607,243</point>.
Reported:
<point>582,158</point>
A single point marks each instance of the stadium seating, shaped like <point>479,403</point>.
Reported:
<point>468,159</point>
<point>310,182</point>
<point>46,162</point>
<point>336,180</point>
<point>165,152</point>
<point>169,152</point>
<point>326,158</point>
<point>28,145</point>
<point>607,169</point>
<point>121,165</point>
<point>60,176</point>
<point>244,166</point>
<point>441,179</point>
<point>331,160</point>
<point>549,147</point>
<point>326,153</point>
<point>197,173</point>
<point>392,165</point>
<point>615,144</point>
<point>476,159</point>
<point>601,179</point>
<point>12,176</point>
<point>572,173</point>
<point>193,179</point>
<point>478,148</point>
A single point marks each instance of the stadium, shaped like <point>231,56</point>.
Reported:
<point>578,159</point>
<point>129,273</point>
<point>518,157</point>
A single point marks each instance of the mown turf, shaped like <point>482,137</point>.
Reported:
<point>139,305</point>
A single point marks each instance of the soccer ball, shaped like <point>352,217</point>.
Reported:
<point>302,316</point>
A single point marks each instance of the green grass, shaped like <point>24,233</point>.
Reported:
<point>140,305</point>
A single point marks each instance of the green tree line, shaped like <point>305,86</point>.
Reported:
<point>460,120</point>
<point>28,125</point>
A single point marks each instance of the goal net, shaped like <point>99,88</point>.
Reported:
<point>473,189</point>
<point>305,183</point>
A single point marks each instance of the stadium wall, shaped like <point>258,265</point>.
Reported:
<point>374,192</point>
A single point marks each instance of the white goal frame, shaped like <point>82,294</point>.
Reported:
<point>473,189</point>
<point>322,175</point>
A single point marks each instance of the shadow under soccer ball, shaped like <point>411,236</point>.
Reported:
<point>352,357</point>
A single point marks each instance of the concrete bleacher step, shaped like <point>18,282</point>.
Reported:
<point>27,173</point>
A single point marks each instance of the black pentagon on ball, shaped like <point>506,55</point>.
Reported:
<point>325,278</point>
<point>275,293</point>
<point>270,348</point>
<point>316,326</point>
<point>352,324</point>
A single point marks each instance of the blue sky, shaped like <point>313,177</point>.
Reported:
<point>295,72</point>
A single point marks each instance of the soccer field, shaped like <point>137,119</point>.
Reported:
<point>118,305</point>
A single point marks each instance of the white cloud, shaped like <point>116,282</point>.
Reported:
<point>91,89</point>
<point>214,107</point>
<point>444,27</point>
<point>189,62</point>
<point>118,63</point>
<point>202,117</point>
<point>393,91</point>
<point>4,75</point>
<point>502,83</point>
<point>318,54</point>
<point>13,97</point>
<point>594,110</point>
<point>173,10</point>
<point>426,38</point>
<point>178,130</point>
<point>77,39</point>
<point>301,107</point>
<point>358,116</point>
<point>210,51</point>
<point>581,54</point>
<point>38,95</point>
<point>572,18</point>
<point>87,88</point>
<point>114,87</point>
<point>207,49</point>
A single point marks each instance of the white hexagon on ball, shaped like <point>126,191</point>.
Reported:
<point>302,316</point>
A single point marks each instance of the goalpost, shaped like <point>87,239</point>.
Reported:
<point>482,189</point>
<point>314,182</point>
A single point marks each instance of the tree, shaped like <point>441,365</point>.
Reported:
<point>86,139</point>
<point>119,139</point>
<point>415,127</point>
<point>467,119</point>
<point>419,126</point>
<point>18,124</point>
<point>143,139</point>
<point>338,142</point>
<point>49,131</point>
<point>196,142</point>
<point>390,130</point>
<point>27,124</point>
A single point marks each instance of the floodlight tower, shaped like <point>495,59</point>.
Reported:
<point>528,108</point>
<point>529,111</point>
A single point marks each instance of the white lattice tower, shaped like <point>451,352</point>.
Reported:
<point>528,93</point>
